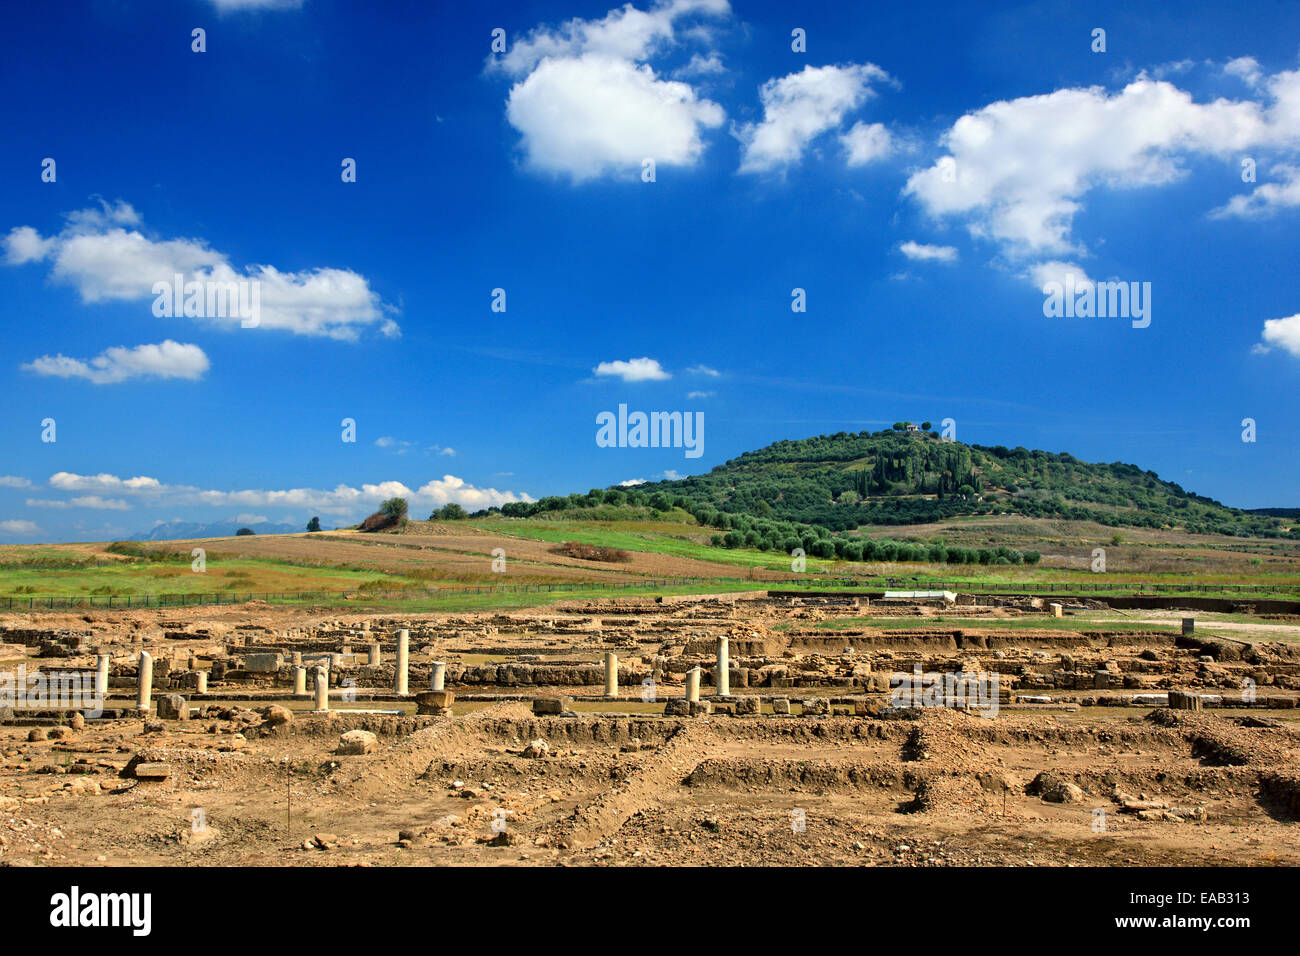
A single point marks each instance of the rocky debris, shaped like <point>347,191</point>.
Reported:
<point>37,733</point>
<point>1054,789</point>
<point>999,781</point>
<point>276,715</point>
<point>536,748</point>
<point>322,841</point>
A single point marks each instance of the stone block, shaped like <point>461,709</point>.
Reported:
<point>263,663</point>
<point>173,707</point>
<point>544,706</point>
<point>357,742</point>
<point>437,702</point>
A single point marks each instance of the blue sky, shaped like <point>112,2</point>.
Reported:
<point>919,171</point>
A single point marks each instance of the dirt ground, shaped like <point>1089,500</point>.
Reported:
<point>1081,781</point>
<point>712,791</point>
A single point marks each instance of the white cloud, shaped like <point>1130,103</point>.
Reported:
<point>403,447</point>
<point>596,114</point>
<point>252,519</point>
<point>1266,199</point>
<point>1018,170</point>
<point>19,527</point>
<point>865,143</point>
<point>634,370</point>
<point>631,483</point>
<point>1245,67</point>
<point>694,395</point>
<point>701,65</point>
<point>24,244</point>
<point>587,103</point>
<point>625,33</point>
<point>704,370</point>
<point>1041,273</point>
<point>85,501</point>
<point>14,481</point>
<point>800,107</point>
<point>165,360</point>
<point>103,254</point>
<point>1283,333</point>
<point>342,499</point>
<point>920,252</point>
<point>140,485</point>
<point>450,488</point>
<point>234,6</point>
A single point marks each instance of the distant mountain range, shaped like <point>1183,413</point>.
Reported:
<point>175,530</point>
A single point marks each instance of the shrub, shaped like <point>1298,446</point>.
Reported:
<point>590,552</point>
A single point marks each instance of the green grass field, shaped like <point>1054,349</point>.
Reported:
<point>94,573</point>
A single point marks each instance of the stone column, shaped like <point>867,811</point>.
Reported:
<point>201,685</point>
<point>145,691</point>
<point>297,657</point>
<point>724,668</point>
<point>300,681</point>
<point>693,685</point>
<point>611,674</point>
<point>403,661</point>
<point>373,661</point>
<point>322,689</point>
<point>101,678</point>
<point>439,677</point>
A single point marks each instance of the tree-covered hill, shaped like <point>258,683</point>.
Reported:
<point>900,476</point>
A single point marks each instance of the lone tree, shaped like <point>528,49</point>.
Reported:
<point>313,524</point>
<point>245,531</point>
<point>391,513</point>
<point>448,512</point>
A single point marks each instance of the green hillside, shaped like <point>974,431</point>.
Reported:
<point>835,483</point>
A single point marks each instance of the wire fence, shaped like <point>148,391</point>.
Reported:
<point>126,601</point>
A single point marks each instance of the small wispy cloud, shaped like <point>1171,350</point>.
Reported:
<point>920,252</point>
<point>633,370</point>
<point>118,364</point>
<point>17,526</point>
